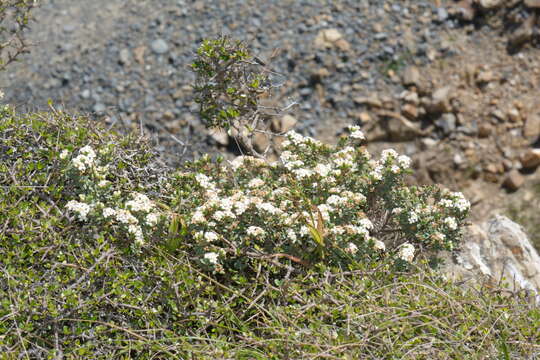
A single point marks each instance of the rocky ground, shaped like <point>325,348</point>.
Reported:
<point>452,84</point>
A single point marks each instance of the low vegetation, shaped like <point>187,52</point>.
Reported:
<point>325,253</point>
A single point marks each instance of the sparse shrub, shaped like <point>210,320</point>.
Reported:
<point>15,16</point>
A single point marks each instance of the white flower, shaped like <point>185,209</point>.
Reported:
<point>140,202</point>
<point>269,208</point>
<point>406,252</point>
<point>152,219</point>
<point>220,215</point>
<point>356,133</point>
<point>302,173</point>
<point>125,217</point>
<point>395,169</point>
<point>211,257</point>
<point>451,223</point>
<point>136,231</point>
<point>210,236</point>
<point>379,245</point>
<point>1,94</point>
<point>198,217</point>
<point>255,231</point>
<point>88,152</point>
<point>108,212</point>
<point>334,200</point>
<point>204,181</point>
<point>80,208</point>
<point>397,211</point>
<point>351,248</point>
<point>322,170</point>
<point>365,223</point>
<point>103,183</point>
<point>291,235</point>
<point>404,161</point>
<point>255,183</point>
<point>413,217</point>
<point>388,153</point>
<point>64,154</point>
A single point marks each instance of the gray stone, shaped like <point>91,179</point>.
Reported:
<point>442,14</point>
<point>124,56</point>
<point>159,46</point>
<point>500,251</point>
<point>99,108</point>
<point>447,123</point>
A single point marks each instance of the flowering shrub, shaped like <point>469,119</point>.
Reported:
<point>103,203</point>
<point>318,202</point>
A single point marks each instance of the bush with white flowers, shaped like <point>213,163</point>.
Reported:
<point>316,203</point>
<point>100,202</point>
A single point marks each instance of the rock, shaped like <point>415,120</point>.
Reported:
<point>428,143</point>
<point>410,97</point>
<point>499,250</point>
<point>440,100</point>
<point>513,115</point>
<point>159,46</point>
<point>447,123</point>
<point>465,10</point>
<point>328,38</point>
<point>99,108</point>
<point>260,142</point>
<point>530,159</point>
<point>410,111</point>
<point>411,76</point>
<point>124,57</point>
<point>285,123</point>
<point>490,4</point>
<point>372,101</point>
<point>522,34</point>
<point>513,180</point>
<point>531,129</point>
<point>220,136</point>
<point>485,77</point>
<point>364,117</point>
<point>138,54</point>
<point>535,4</point>
<point>442,14</point>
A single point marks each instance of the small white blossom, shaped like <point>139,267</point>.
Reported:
<point>291,235</point>
<point>211,257</point>
<point>406,252</point>
<point>351,248</point>
<point>140,202</point>
<point>255,231</point>
<point>335,200</point>
<point>125,217</point>
<point>198,217</point>
<point>356,133</point>
<point>103,183</point>
<point>210,236</point>
<point>404,161</point>
<point>413,217</point>
<point>451,223</point>
<point>136,231</point>
<point>269,208</point>
<point>379,245</point>
<point>80,208</point>
<point>204,181</point>
<point>64,154</point>
<point>152,219</point>
<point>322,170</point>
<point>108,212</point>
<point>255,183</point>
<point>388,153</point>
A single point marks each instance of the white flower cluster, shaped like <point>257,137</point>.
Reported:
<point>456,201</point>
<point>356,133</point>
<point>81,209</point>
<point>406,252</point>
<point>85,160</point>
<point>140,202</point>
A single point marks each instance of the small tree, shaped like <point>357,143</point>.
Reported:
<point>14,20</point>
<point>230,83</point>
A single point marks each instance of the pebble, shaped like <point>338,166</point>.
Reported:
<point>447,123</point>
<point>159,46</point>
<point>530,159</point>
<point>514,180</point>
<point>531,129</point>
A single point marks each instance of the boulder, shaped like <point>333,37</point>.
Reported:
<point>499,250</point>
